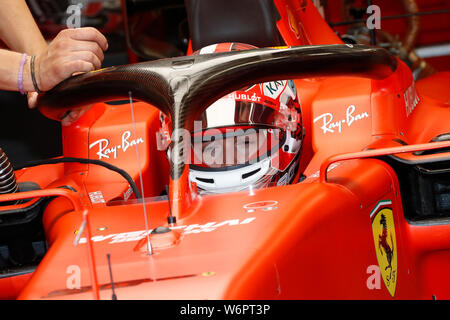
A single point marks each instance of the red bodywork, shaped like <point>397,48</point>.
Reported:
<point>309,240</point>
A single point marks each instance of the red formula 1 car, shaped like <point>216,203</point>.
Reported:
<point>366,215</point>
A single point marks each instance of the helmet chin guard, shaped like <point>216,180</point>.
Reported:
<point>234,180</point>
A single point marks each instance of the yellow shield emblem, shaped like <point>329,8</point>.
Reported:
<point>385,245</point>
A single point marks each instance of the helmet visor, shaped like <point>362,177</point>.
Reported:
<point>229,111</point>
<point>234,146</point>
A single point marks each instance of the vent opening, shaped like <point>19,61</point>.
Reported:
<point>249,174</point>
<point>205,180</point>
<point>425,190</point>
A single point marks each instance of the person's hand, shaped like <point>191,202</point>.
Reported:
<point>74,115</point>
<point>72,51</point>
<point>32,98</point>
<point>69,119</point>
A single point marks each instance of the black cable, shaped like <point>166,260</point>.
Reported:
<point>104,164</point>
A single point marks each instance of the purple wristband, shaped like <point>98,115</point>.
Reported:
<point>20,80</point>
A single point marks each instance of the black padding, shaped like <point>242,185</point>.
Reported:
<point>246,21</point>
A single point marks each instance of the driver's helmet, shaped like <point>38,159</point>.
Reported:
<point>248,139</point>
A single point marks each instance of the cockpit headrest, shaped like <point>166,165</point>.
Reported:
<point>252,22</point>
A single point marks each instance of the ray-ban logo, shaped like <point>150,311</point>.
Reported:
<point>330,125</point>
<point>105,150</point>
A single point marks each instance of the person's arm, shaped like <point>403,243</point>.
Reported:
<point>9,71</point>
<point>18,30</point>
<point>72,51</point>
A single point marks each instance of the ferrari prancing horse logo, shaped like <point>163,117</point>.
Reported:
<point>385,244</point>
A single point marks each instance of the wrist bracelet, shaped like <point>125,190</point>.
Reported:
<point>33,77</point>
<point>20,79</point>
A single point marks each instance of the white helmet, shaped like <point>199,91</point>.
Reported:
<point>250,138</point>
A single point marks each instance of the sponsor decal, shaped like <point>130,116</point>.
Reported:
<point>128,193</point>
<point>244,97</point>
<point>265,205</point>
<point>274,88</point>
<point>96,197</point>
<point>105,150</point>
<point>189,229</point>
<point>411,99</point>
<point>383,229</point>
<point>330,125</point>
